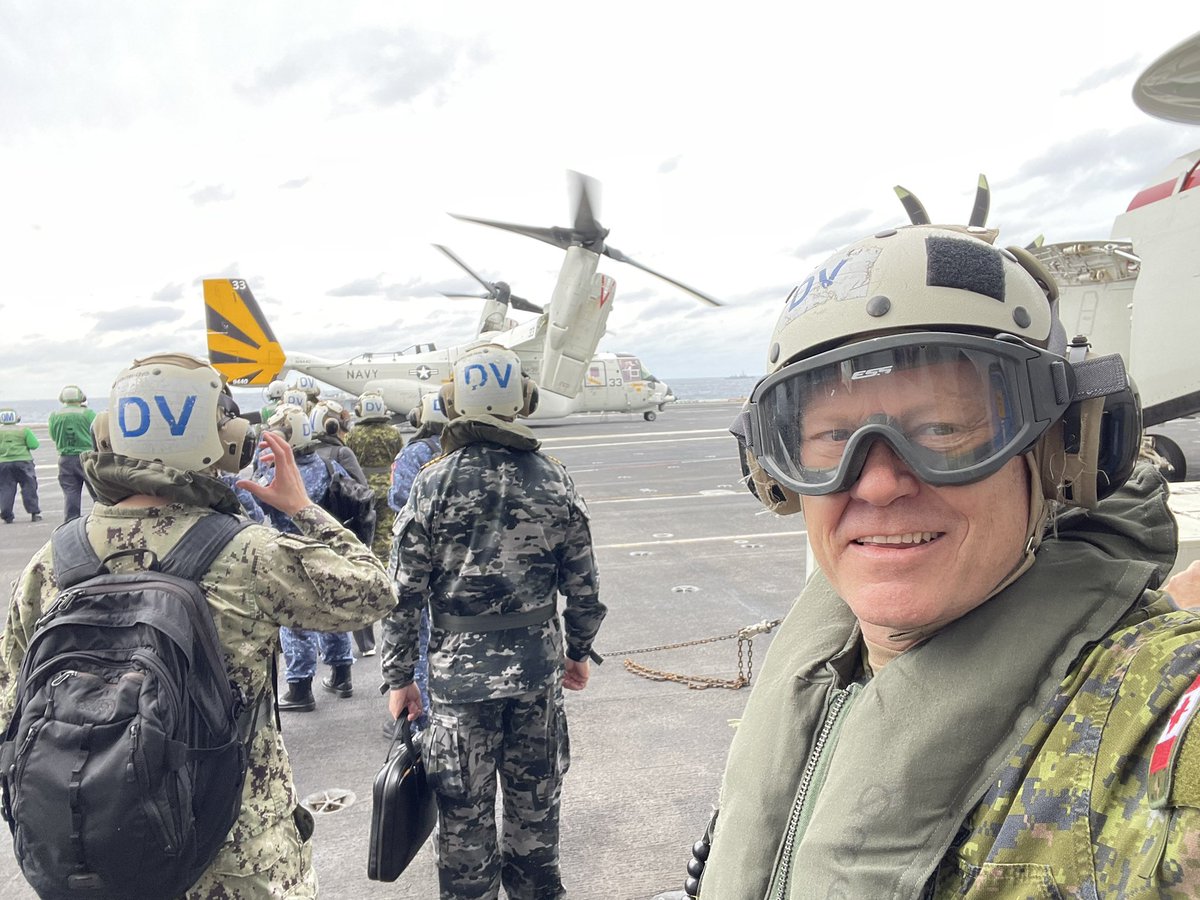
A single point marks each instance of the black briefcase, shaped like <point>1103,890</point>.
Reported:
<point>402,808</point>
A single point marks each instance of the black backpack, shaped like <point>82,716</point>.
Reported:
<point>351,503</point>
<point>123,764</point>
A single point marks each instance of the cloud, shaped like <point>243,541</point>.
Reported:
<point>295,183</point>
<point>360,287</point>
<point>234,270</point>
<point>669,165</point>
<point>837,232</point>
<point>168,293</point>
<point>213,193</point>
<point>370,67</point>
<point>1102,77</point>
<point>131,318</point>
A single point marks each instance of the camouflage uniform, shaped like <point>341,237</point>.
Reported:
<point>302,646</point>
<point>376,445</point>
<point>321,577</point>
<point>494,529</point>
<point>1009,755</point>
<point>415,456</point>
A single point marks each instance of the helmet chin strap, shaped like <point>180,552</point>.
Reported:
<point>1039,512</point>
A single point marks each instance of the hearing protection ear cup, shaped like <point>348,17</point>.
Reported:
<point>237,440</point>
<point>1092,451</point>
<point>529,391</point>
<point>770,493</point>
<point>414,417</point>
<point>446,393</point>
<point>100,439</point>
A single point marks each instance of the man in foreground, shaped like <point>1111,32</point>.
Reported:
<point>160,479</point>
<point>492,532</point>
<point>980,693</point>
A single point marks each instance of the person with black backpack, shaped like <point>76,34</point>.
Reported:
<point>142,756</point>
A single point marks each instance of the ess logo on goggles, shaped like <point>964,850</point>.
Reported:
<point>954,407</point>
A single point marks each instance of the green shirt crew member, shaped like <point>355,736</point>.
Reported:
<point>71,431</point>
<point>16,467</point>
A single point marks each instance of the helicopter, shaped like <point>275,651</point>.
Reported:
<point>614,382</point>
<point>557,348</point>
<point>1138,293</point>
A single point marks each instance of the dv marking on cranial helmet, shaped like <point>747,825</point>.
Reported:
<point>501,379</point>
<point>177,425</point>
<point>842,277</point>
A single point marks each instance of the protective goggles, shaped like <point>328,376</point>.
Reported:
<point>954,407</point>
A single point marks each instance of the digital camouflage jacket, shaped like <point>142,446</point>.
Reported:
<point>322,578</point>
<point>1009,755</point>
<point>376,445</point>
<point>494,527</point>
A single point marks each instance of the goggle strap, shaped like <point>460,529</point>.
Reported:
<point>1099,376</point>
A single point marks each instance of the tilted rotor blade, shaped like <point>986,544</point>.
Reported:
<point>488,286</point>
<point>983,202</point>
<point>588,230</point>
<point>614,253</point>
<point>562,238</point>
<point>524,305</point>
<point>1036,242</point>
<point>494,291</point>
<point>912,206</point>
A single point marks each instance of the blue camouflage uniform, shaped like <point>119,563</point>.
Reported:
<point>301,646</point>
<point>492,533</point>
<point>409,461</point>
<point>407,464</point>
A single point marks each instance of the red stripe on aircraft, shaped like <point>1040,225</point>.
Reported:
<point>1164,190</point>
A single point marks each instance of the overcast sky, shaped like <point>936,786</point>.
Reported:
<point>315,148</point>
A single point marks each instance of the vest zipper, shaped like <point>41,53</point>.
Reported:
<point>783,870</point>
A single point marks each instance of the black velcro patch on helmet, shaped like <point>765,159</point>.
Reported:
<point>966,265</point>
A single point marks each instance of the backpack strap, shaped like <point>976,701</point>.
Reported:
<point>203,542</point>
<point>74,558</point>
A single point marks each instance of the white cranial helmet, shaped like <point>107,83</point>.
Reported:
<point>165,409</point>
<point>488,381</point>
<point>432,410</point>
<point>72,394</point>
<point>295,427</point>
<point>327,417</point>
<point>371,406</point>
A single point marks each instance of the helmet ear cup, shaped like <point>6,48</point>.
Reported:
<point>100,439</point>
<point>530,396</point>
<point>1092,451</point>
<point>446,395</point>
<point>770,493</point>
<point>238,440</point>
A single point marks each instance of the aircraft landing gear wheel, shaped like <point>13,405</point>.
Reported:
<point>649,415</point>
<point>1170,451</point>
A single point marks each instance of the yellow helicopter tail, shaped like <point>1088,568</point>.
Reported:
<point>241,344</point>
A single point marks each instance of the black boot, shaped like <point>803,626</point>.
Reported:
<point>338,681</point>
<point>299,697</point>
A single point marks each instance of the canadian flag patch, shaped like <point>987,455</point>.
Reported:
<point>1180,716</point>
